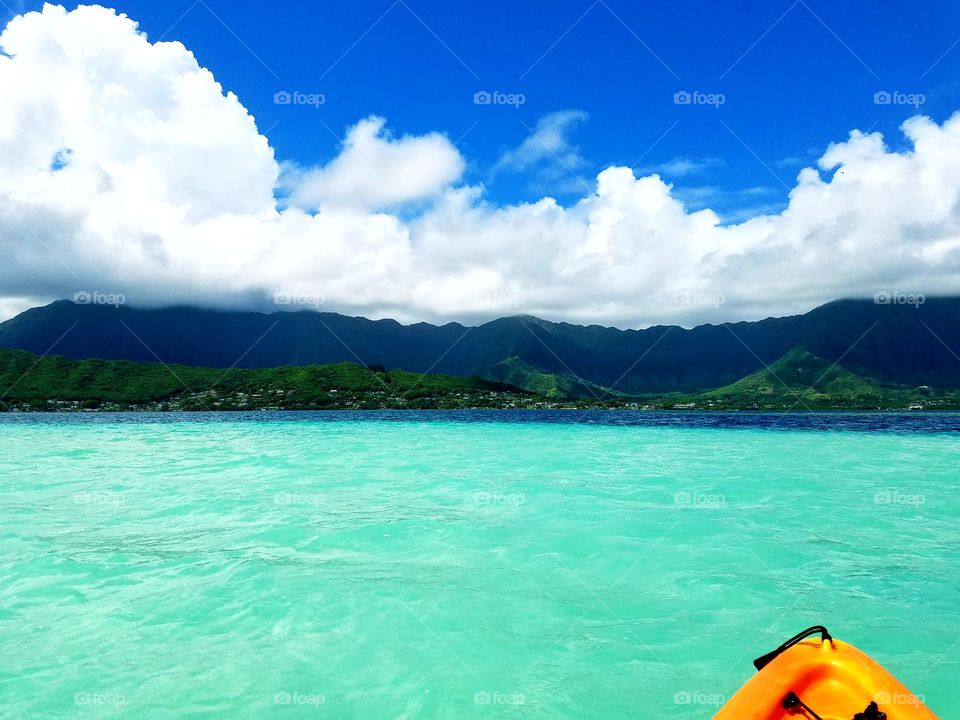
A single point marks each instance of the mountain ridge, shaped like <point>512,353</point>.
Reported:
<point>888,344</point>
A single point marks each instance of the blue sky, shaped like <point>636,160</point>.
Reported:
<point>794,76</point>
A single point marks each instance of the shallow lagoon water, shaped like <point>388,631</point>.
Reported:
<point>464,565</point>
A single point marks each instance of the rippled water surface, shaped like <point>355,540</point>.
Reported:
<point>463,565</point>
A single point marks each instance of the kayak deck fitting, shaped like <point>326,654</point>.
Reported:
<point>822,678</point>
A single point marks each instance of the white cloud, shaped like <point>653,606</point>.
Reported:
<point>373,171</point>
<point>548,142</point>
<point>683,166</point>
<point>165,193</point>
<point>548,153</point>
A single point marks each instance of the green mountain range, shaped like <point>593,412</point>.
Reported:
<point>889,344</point>
<point>845,354</point>
<point>798,381</point>
<point>31,382</point>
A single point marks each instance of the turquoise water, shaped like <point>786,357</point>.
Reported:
<point>343,567</point>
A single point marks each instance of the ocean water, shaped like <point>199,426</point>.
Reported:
<point>463,565</point>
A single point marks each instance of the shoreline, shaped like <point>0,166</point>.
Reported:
<point>558,408</point>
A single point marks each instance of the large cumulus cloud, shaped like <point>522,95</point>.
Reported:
<point>126,168</point>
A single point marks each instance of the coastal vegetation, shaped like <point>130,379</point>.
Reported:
<point>799,381</point>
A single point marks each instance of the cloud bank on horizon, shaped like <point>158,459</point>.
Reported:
<point>125,168</point>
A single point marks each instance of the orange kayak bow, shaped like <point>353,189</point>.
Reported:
<point>822,678</point>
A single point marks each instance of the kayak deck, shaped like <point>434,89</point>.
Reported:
<point>824,678</point>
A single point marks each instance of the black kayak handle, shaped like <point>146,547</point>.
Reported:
<point>764,660</point>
